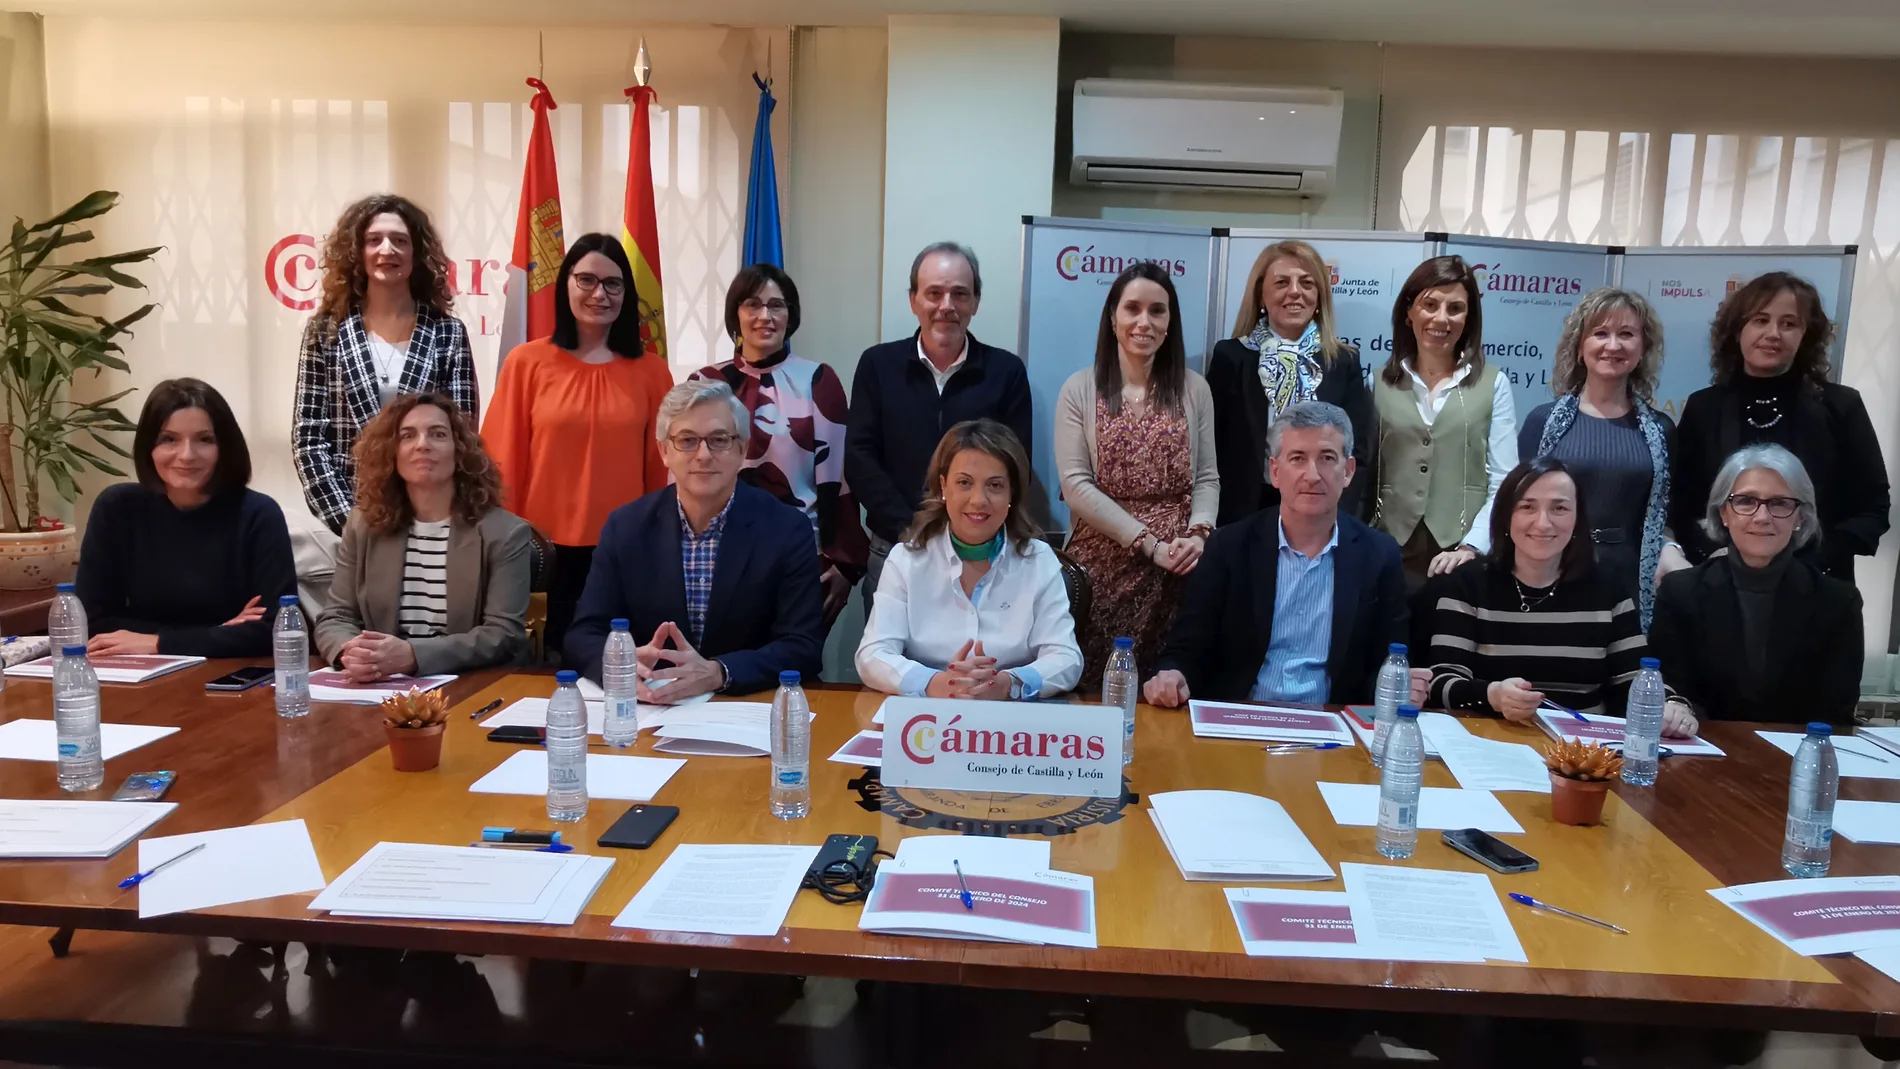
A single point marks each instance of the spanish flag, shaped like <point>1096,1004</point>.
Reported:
<point>639,230</point>
<point>539,242</point>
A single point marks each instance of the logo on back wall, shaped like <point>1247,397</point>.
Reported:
<point>290,272</point>
<point>1495,279</point>
<point>1075,261</point>
<point>1677,289</point>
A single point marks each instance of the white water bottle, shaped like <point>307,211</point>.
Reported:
<point>567,750</point>
<point>1399,782</point>
<point>1394,689</point>
<point>791,749</point>
<point>620,713</point>
<point>290,646</point>
<point>65,621</point>
<point>82,765</point>
<point>1813,784</point>
<point>1121,688</point>
<point>1642,725</point>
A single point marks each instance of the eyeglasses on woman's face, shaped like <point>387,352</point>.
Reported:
<point>614,287</point>
<point>1779,507</point>
<point>752,306</point>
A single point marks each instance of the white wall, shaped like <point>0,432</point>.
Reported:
<point>969,136</point>
<point>23,147</point>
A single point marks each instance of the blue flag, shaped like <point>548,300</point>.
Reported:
<point>764,242</point>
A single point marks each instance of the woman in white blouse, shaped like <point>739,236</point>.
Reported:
<point>972,604</point>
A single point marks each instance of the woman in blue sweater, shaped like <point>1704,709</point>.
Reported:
<point>188,560</point>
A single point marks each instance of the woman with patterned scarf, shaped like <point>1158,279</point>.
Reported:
<point>1284,351</point>
<point>1614,443</point>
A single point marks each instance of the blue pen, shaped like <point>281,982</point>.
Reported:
<point>1299,747</point>
<point>968,902</point>
<point>516,835</point>
<point>1548,704</point>
<point>139,878</point>
<point>551,848</point>
<point>1526,900</point>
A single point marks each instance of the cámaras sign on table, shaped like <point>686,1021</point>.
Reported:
<point>1011,747</point>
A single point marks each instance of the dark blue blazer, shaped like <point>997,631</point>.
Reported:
<point>766,613</point>
<point>1219,640</point>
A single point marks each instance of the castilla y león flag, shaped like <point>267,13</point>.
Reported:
<point>539,245</point>
<point>640,229</point>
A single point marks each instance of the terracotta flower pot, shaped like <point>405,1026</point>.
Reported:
<point>415,749</point>
<point>36,560</point>
<point>1575,801</point>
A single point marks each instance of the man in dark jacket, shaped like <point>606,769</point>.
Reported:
<point>908,393</point>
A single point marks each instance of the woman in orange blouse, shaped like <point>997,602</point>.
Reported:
<point>571,424</point>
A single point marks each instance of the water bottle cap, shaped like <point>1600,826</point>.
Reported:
<point>1652,663</point>
<point>1396,649</point>
<point>1816,730</point>
<point>1123,642</point>
<point>788,678</point>
<point>564,678</point>
<point>63,588</point>
<point>1408,711</point>
<point>287,601</point>
<point>72,651</point>
<point>620,623</point>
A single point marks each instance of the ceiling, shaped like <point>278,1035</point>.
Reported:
<point>1764,27</point>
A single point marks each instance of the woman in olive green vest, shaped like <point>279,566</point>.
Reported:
<point>1447,430</point>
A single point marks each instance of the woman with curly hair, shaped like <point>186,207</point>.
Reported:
<point>1768,354</point>
<point>432,575</point>
<point>383,328</point>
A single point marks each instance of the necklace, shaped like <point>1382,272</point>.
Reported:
<point>1525,602</point>
<point>386,369</point>
<point>1770,409</point>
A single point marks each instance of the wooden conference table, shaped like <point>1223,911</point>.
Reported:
<point>1689,961</point>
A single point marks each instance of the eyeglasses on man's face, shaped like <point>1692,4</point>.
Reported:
<point>722,442</point>
<point>1779,507</point>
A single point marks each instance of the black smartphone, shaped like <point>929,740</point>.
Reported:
<point>243,678</point>
<point>1490,851</point>
<point>144,787</point>
<point>639,827</point>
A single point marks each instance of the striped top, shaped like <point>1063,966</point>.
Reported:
<point>423,609</point>
<point>1295,666</point>
<point>1581,646</point>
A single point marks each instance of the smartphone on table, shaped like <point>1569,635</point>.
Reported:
<point>242,679</point>
<point>1490,851</point>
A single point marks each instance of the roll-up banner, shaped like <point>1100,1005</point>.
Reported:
<point>1068,267</point>
<point>1367,269</point>
<point>1529,288</point>
<point>1687,285</point>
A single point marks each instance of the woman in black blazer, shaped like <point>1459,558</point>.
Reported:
<point>1284,351</point>
<point>1758,632</point>
<point>1768,352</point>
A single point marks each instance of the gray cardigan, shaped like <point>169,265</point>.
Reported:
<point>489,574</point>
<point>1075,459</point>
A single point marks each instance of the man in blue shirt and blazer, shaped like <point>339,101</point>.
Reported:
<point>1296,603</point>
<point>721,575</point>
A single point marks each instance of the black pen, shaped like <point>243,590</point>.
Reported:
<point>485,710</point>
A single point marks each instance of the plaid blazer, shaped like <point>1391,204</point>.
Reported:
<point>336,396</point>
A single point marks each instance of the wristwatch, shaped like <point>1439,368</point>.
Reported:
<point>725,677</point>
<point>1015,687</point>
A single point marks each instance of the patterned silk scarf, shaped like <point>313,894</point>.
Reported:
<point>1563,415</point>
<point>1289,370</point>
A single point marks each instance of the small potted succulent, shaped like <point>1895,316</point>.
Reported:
<point>414,722</point>
<point>1580,775</point>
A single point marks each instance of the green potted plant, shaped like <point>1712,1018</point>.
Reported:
<point>45,344</point>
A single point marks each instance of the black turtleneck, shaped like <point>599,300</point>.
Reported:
<point>1755,590</point>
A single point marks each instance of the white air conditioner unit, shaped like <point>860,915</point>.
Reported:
<point>1175,135</point>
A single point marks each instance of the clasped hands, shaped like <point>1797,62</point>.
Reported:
<point>1178,556</point>
<point>114,643</point>
<point>971,674</point>
<point>370,656</point>
<point>1514,699</point>
<point>688,674</point>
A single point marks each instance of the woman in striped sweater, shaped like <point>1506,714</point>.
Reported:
<point>1532,622</point>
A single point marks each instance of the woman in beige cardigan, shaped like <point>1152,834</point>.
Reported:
<point>432,575</point>
<point>1134,442</point>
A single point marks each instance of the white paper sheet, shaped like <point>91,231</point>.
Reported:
<point>465,883</point>
<point>330,685</point>
<point>718,729</point>
<point>1435,914</point>
<point>877,718</point>
<point>1360,719</point>
<point>1278,923</point>
<point>533,713</point>
<point>721,890</point>
<point>615,776</point>
<point>114,668</point>
<point>1830,915</point>
<point>1608,731</point>
<point>1886,959</point>
<point>74,829</point>
<point>1482,764</point>
<point>236,865</point>
<point>1439,808</point>
<point>1227,835</point>
<point>865,749</point>
<point>1044,908</point>
<point>976,853</point>
<point>1868,822</point>
<point>1857,759</point>
<point>35,740</point>
<point>1887,739</point>
<point>1267,723</point>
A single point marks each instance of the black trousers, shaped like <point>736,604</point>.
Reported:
<point>571,564</point>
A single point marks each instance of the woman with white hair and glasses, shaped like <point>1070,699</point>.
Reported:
<point>1612,441</point>
<point>1757,632</point>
